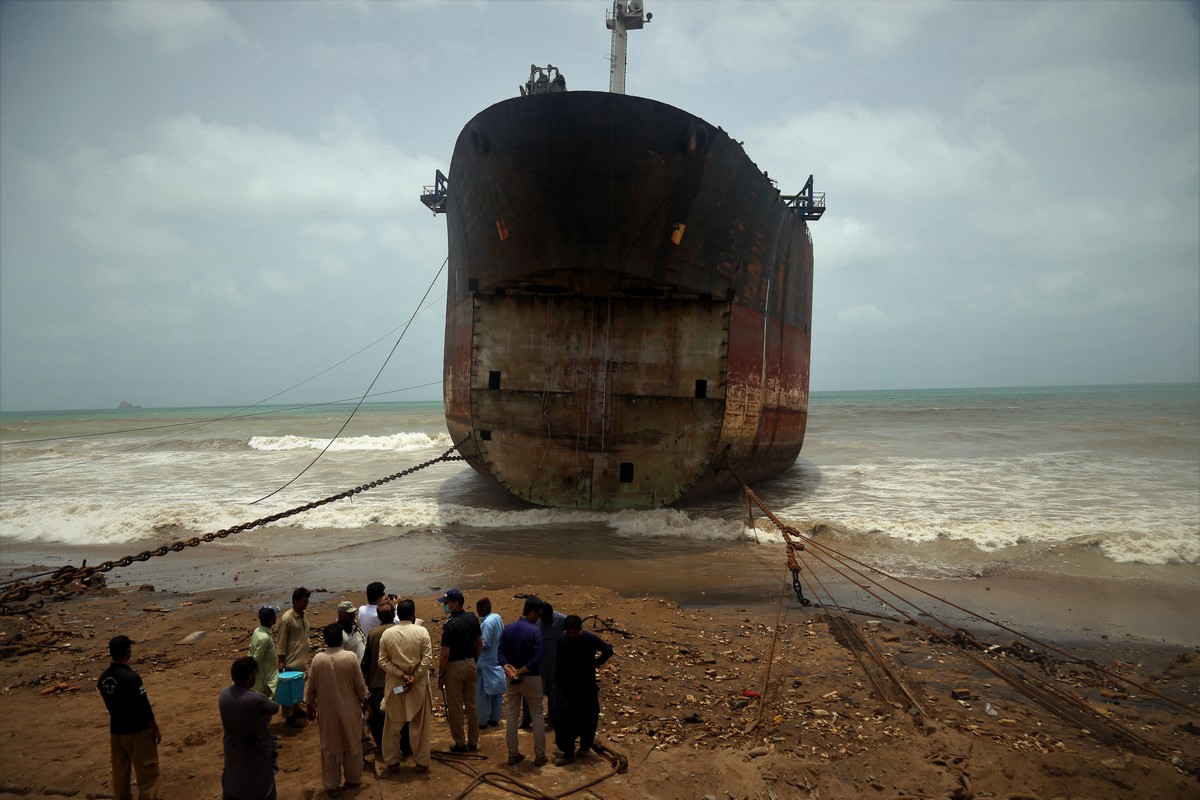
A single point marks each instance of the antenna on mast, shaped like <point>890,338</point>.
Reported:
<point>626,15</point>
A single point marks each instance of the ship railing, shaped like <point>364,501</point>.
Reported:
<point>810,204</point>
<point>434,197</point>
<point>544,80</point>
<point>810,207</point>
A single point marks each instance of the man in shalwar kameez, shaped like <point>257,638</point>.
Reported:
<point>291,645</point>
<point>262,650</point>
<point>406,653</point>
<point>336,695</point>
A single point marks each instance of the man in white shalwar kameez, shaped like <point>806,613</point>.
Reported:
<point>405,654</point>
<point>337,698</point>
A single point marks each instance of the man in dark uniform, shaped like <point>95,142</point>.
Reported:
<point>134,734</point>
<point>576,705</point>
<point>462,642</point>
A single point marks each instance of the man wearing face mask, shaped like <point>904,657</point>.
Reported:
<point>462,642</point>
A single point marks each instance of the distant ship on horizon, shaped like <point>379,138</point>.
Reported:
<point>629,298</point>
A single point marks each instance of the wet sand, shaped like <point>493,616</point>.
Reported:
<point>695,627</point>
<point>1068,607</point>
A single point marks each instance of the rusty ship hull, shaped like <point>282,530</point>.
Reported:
<point>628,307</point>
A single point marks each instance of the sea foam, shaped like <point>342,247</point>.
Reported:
<point>398,441</point>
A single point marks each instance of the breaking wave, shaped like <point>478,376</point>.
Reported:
<point>399,442</point>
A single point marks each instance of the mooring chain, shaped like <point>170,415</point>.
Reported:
<point>1062,702</point>
<point>83,574</point>
<point>793,538</point>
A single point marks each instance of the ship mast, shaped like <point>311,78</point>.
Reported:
<point>626,15</point>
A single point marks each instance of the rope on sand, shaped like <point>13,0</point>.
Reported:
<point>618,763</point>
<point>804,550</point>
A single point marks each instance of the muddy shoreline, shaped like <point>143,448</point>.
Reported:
<point>1067,608</point>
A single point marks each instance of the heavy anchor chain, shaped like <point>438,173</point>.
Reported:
<point>83,576</point>
<point>792,537</point>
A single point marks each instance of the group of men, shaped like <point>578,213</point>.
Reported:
<point>564,673</point>
<point>373,681</point>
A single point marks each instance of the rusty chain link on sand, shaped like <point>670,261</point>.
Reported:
<point>793,539</point>
<point>72,578</point>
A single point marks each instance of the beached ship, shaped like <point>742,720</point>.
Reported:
<point>629,297</point>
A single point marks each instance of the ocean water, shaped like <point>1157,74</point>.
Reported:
<point>950,483</point>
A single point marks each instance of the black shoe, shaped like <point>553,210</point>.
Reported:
<point>517,759</point>
<point>564,759</point>
<point>458,748</point>
<point>526,724</point>
<point>472,747</point>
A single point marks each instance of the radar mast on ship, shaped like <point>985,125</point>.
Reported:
<point>626,15</point>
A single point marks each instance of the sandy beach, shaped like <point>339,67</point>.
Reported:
<point>693,634</point>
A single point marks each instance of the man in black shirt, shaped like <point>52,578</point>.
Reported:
<point>462,641</point>
<point>133,732</point>
<point>576,706</point>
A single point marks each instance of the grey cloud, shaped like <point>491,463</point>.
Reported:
<point>175,26</point>
<point>211,201</point>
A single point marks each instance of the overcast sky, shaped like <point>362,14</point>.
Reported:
<point>208,203</point>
